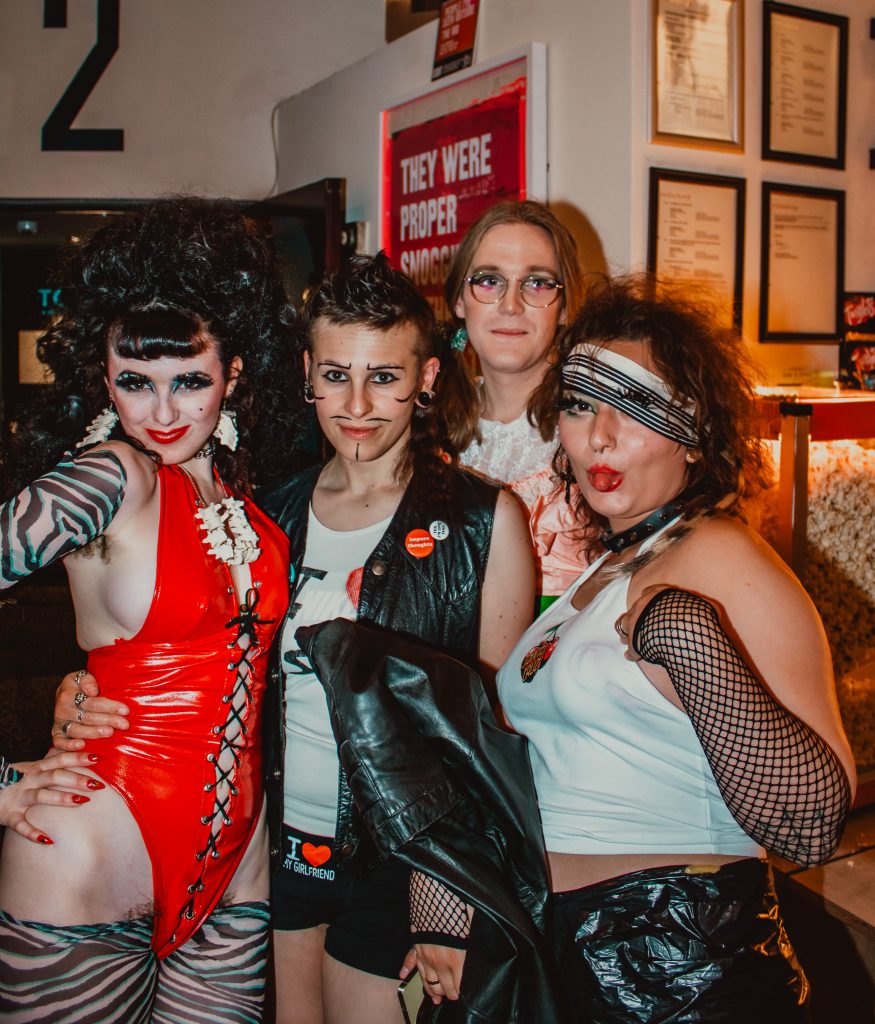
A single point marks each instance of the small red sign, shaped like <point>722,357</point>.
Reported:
<point>457,29</point>
<point>419,543</point>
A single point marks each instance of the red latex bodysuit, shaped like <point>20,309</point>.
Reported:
<point>186,681</point>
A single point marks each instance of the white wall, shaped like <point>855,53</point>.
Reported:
<point>333,128</point>
<point>599,156</point>
<point>782,362</point>
<point>193,85</point>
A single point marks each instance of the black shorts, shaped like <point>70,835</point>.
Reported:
<point>668,945</point>
<point>368,919</point>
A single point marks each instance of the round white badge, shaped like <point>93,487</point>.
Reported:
<point>439,530</point>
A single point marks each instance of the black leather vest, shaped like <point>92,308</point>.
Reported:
<point>435,599</point>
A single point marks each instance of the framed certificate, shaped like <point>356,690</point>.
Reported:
<point>696,237</point>
<point>805,56</point>
<point>802,272</point>
<point>696,73</point>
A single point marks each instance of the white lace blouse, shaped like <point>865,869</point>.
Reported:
<point>509,451</point>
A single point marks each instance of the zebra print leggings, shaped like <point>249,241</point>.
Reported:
<point>108,974</point>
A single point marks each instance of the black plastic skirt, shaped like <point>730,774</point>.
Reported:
<point>677,945</point>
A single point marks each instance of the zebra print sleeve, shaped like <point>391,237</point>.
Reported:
<point>65,509</point>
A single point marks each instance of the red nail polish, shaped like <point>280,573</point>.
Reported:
<point>93,758</point>
<point>94,784</point>
<point>45,840</point>
<point>80,798</point>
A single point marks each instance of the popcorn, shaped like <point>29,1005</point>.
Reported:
<point>840,572</point>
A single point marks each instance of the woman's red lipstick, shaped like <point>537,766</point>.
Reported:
<point>604,479</point>
<point>168,436</point>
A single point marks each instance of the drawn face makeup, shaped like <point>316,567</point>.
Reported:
<point>624,469</point>
<point>171,406</point>
<point>364,384</point>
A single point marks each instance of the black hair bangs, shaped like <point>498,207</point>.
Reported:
<point>158,332</point>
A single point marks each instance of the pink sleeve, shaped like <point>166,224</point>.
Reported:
<point>557,536</point>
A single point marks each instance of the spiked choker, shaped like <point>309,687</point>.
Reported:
<point>618,542</point>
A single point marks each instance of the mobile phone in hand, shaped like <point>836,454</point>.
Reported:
<point>411,995</point>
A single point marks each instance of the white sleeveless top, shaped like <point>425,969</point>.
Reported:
<point>617,767</point>
<point>331,568</point>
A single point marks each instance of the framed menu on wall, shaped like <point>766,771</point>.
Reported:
<point>696,237</point>
<point>805,59</point>
<point>802,272</point>
<point>697,95</point>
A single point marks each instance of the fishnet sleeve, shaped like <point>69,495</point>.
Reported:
<point>781,782</point>
<point>437,915</point>
<point>64,509</point>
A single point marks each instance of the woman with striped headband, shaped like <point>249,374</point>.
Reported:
<point>678,699</point>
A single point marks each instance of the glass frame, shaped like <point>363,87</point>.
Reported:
<point>777,68</point>
<point>669,99</point>
<point>794,291</point>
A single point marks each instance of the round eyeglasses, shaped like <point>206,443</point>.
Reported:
<point>536,290</point>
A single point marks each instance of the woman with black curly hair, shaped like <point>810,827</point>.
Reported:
<point>150,903</point>
<point>678,698</point>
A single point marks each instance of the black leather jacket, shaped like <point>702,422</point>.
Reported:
<point>440,786</point>
<point>436,599</point>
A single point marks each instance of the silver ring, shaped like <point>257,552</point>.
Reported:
<point>432,981</point>
<point>65,728</point>
<point>80,715</point>
<point>78,676</point>
<point>618,626</point>
<point>80,698</point>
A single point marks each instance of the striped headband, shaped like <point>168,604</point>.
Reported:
<point>623,383</point>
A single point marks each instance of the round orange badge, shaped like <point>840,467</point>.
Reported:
<point>419,543</point>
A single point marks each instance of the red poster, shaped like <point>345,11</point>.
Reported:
<point>457,29</point>
<point>440,176</point>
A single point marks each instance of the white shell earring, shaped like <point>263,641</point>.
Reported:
<point>226,430</point>
<point>99,429</point>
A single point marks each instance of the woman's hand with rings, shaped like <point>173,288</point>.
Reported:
<point>440,968</point>
<point>51,781</point>
<point>625,624</point>
<point>82,714</point>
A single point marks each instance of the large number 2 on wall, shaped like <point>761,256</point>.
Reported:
<point>57,133</point>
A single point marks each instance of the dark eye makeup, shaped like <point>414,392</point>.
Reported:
<point>196,380</point>
<point>573,404</point>
<point>130,381</point>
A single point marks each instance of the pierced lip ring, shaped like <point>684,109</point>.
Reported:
<point>168,437</point>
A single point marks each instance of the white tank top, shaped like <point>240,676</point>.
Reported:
<point>332,567</point>
<point>617,767</point>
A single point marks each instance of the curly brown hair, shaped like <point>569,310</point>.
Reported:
<point>462,401</point>
<point>699,360</point>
